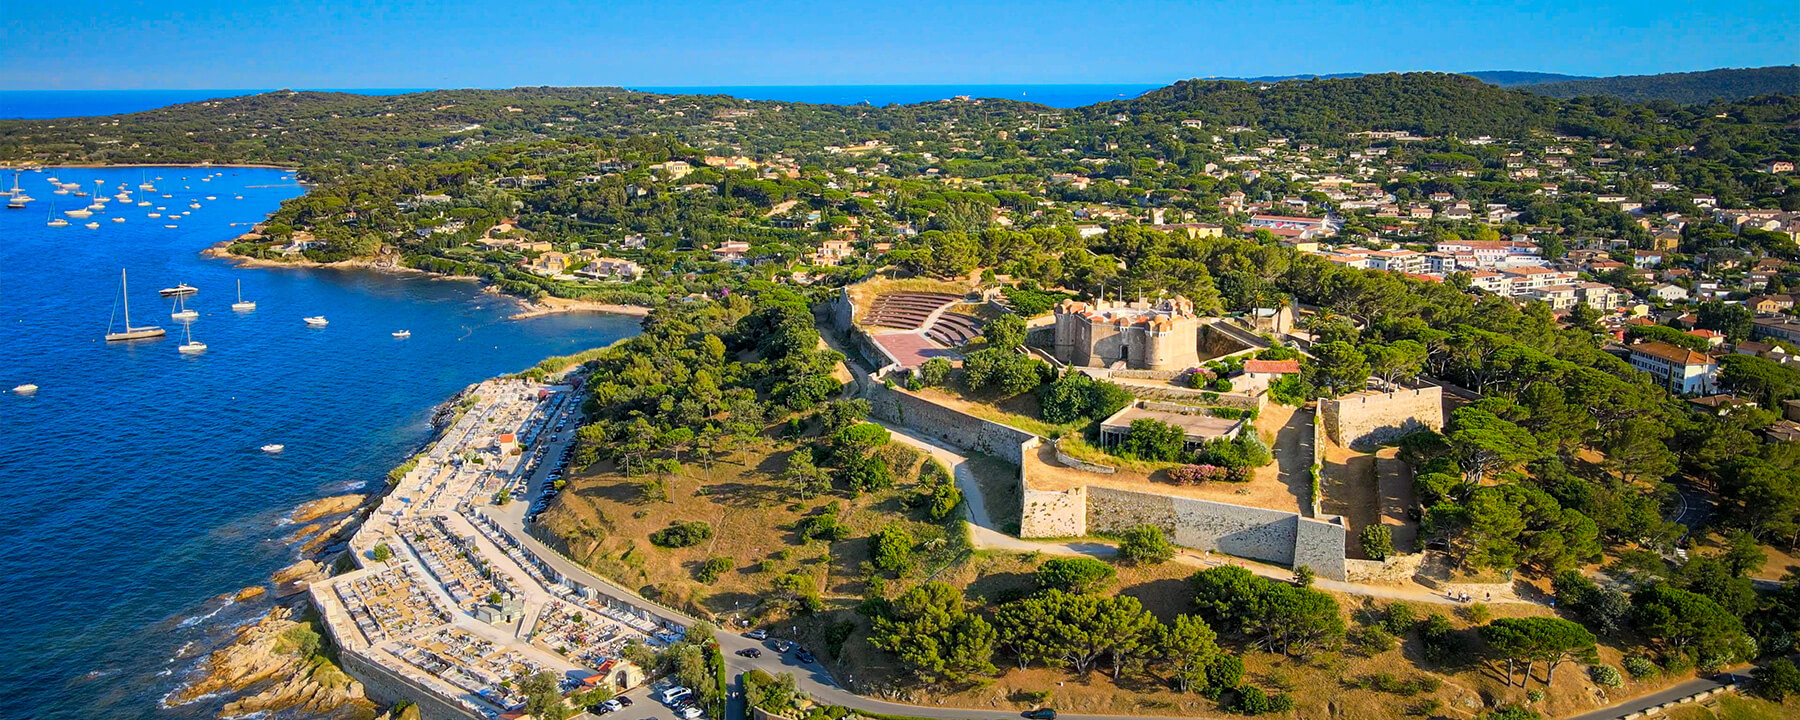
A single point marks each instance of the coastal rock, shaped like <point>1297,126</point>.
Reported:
<point>296,578</point>
<point>325,506</point>
<point>303,570</point>
<point>250,592</point>
<point>263,656</point>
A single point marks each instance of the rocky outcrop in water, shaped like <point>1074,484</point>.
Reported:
<point>268,660</point>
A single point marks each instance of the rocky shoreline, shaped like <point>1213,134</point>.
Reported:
<point>260,669</point>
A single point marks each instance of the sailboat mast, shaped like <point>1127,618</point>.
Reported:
<point>125,294</point>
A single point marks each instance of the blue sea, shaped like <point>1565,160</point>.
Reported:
<point>80,103</point>
<point>135,496</point>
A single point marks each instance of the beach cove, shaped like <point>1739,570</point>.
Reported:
<point>138,484</point>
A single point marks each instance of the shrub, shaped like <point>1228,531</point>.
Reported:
<point>1224,673</point>
<point>891,548</point>
<point>682,534</point>
<point>1400,618</point>
<point>1200,474</point>
<point>1074,575</point>
<point>1145,544</point>
<point>1153,440</point>
<point>1250,700</point>
<point>934,371</point>
<point>1442,643</point>
<point>1605,675</point>
<point>821,527</point>
<point>714,567</point>
<point>1534,696</point>
<point>1639,666</point>
<point>1777,680</point>
<point>1222,385</point>
<point>1377,542</point>
<point>1372,639</point>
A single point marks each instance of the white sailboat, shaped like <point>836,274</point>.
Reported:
<point>130,333</point>
<point>54,220</point>
<point>192,346</point>
<point>145,185</point>
<point>181,310</point>
<point>242,305</point>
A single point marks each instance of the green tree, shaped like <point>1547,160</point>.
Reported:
<point>1531,640</point>
<point>1777,680</point>
<point>804,478</point>
<point>930,630</point>
<point>1337,368</point>
<point>1377,542</point>
<point>1187,647</point>
<point>1074,575</point>
<point>543,697</point>
<point>890,548</point>
<point>1687,622</point>
<point>1484,443</point>
<point>1151,439</point>
<point>1006,332</point>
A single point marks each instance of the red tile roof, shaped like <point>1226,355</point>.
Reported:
<point>1671,353</point>
<point>1272,366</point>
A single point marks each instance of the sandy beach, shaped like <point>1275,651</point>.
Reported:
<point>553,305</point>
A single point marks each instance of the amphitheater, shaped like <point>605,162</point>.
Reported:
<point>909,327</point>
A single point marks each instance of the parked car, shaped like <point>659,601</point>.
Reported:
<point>623,701</point>
<point>783,646</point>
<point>690,712</point>
<point>675,694</point>
<point>1040,714</point>
<point>757,634</point>
<point>750,653</point>
<point>805,657</point>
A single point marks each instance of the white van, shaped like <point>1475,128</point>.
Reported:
<point>675,694</point>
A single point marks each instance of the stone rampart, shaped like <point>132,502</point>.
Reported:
<point>1257,533</point>
<point>1319,544</point>
<point>1365,419</point>
<point>950,425</point>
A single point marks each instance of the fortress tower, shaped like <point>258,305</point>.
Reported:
<point>1162,335</point>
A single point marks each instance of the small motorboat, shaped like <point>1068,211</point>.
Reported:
<point>118,219</point>
<point>171,227</point>
<point>273,448</point>
<point>25,389</point>
<point>403,334</point>
<point>92,226</point>
<point>316,321</point>
<point>178,291</point>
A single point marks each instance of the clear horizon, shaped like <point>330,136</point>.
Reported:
<point>209,44</point>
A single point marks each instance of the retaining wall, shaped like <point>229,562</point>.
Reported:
<point>951,426</point>
<point>1269,535</point>
<point>1366,419</point>
<point>388,687</point>
<point>1079,464</point>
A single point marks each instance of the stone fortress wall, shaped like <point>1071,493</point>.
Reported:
<point>1257,533</point>
<point>1370,418</point>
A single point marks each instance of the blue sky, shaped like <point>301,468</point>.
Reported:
<point>133,44</point>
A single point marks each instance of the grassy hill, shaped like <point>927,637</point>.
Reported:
<point>1691,87</point>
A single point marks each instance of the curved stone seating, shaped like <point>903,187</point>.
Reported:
<point>955,329</point>
<point>907,311</point>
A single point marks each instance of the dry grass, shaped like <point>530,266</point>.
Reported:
<point>603,520</point>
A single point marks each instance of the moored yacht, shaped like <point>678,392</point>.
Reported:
<point>242,305</point>
<point>179,289</point>
<point>192,346</point>
<point>130,333</point>
<point>403,334</point>
<point>316,321</point>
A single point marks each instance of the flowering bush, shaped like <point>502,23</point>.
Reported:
<point>1197,474</point>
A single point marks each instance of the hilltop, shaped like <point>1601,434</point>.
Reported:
<point>1688,87</point>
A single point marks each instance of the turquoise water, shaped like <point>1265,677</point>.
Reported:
<point>135,491</point>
